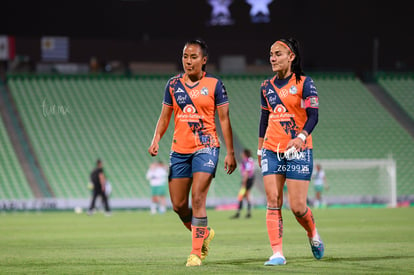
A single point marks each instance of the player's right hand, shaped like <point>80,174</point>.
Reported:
<point>230,163</point>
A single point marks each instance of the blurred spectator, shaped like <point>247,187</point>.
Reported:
<point>157,175</point>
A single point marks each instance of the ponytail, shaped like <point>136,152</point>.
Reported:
<point>296,66</point>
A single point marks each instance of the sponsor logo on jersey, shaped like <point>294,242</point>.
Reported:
<point>181,99</point>
<point>279,108</point>
<point>283,93</point>
<point>272,99</point>
<point>189,109</point>
<point>194,93</point>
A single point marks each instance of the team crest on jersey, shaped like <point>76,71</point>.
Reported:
<point>204,91</point>
<point>279,108</point>
<point>189,109</point>
<point>293,90</point>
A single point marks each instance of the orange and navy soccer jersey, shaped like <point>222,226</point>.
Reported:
<point>194,112</point>
<point>286,102</point>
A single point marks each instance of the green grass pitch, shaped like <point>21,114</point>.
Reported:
<point>357,241</point>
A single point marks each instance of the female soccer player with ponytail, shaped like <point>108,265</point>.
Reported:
<point>289,103</point>
<point>194,97</point>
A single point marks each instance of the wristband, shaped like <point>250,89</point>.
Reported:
<point>302,137</point>
<point>259,152</point>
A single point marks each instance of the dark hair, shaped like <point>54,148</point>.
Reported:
<point>296,66</point>
<point>98,162</point>
<point>247,152</point>
<point>203,46</point>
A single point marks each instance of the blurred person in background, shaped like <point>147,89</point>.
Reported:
<point>157,175</point>
<point>319,185</point>
<point>99,182</point>
<point>194,96</point>
<point>247,173</point>
<point>289,103</point>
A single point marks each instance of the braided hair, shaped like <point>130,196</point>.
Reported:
<point>296,66</point>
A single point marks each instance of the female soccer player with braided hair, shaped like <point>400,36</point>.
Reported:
<point>194,96</point>
<point>289,103</point>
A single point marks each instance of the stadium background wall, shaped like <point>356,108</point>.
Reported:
<point>334,35</point>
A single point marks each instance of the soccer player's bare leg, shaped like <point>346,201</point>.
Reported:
<point>179,192</point>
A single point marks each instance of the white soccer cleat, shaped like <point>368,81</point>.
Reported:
<point>276,259</point>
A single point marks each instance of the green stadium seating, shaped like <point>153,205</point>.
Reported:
<point>72,121</point>
<point>401,89</point>
<point>244,96</point>
<point>352,124</point>
<point>113,118</point>
<point>13,183</point>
